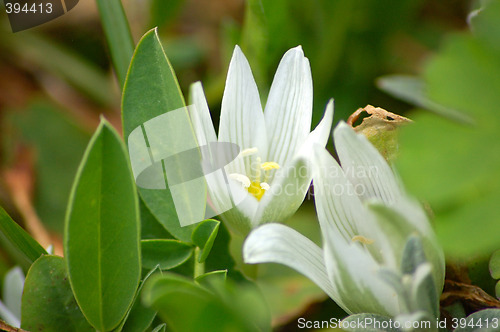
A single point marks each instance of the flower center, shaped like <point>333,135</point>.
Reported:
<point>258,185</point>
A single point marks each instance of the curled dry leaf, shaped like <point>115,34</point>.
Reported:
<point>380,127</point>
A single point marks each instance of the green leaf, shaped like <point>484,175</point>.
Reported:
<point>204,236</point>
<point>206,279</point>
<point>139,317</point>
<point>151,90</point>
<point>118,35</point>
<point>57,59</point>
<point>460,164</point>
<point>487,320</point>
<point>484,24</point>
<point>160,328</point>
<point>413,90</point>
<point>164,252</point>
<point>48,303</point>
<point>497,290</point>
<point>186,306</point>
<point>17,242</point>
<point>495,265</point>
<point>150,226</point>
<point>101,242</point>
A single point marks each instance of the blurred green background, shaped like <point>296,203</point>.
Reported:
<point>56,79</point>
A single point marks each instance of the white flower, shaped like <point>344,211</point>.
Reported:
<point>379,252</point>
<point>272,171</point>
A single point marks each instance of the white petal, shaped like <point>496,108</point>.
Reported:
<point>241,217</point>
<point>355,275</point>
<point>290,183</point>
<point>288,110</point>
<point>242,120</point>
<point>322,132</point>
<point>365,166</point>
<point>286,193</point>
<point>275,243</point>
<point>200,115</point>
<point>337,204</point>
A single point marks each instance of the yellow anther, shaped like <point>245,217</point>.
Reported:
<point>269,165</point>
<point>362,239</point>
<point>256,190</point>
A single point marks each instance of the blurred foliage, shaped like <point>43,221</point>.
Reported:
<point>455,166</point>
<point>56,79</point>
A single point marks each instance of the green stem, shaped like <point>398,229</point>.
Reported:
<point>199,268</point>
<point>117,30</point>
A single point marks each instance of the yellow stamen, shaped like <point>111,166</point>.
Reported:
<point>269,165</point>
<point>362,239</point>
<point>256,190</point>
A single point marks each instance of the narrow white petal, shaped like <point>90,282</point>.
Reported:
<point>288,110</point>
<point>355,275</point>
<point>242,120</point>
<point>290,183</point>
<point>200,115</point>
<point>337,204</point>
<point>275,243</point>
<point>365,166</point>
<point>322,132</point>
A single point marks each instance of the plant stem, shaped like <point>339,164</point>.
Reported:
<point>199,268</point>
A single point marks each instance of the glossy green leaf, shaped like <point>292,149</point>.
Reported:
<point>139,318</point>
<point>17,242</point>
<point>150,226</point>
<point>151,90</point>
<point>204,236</point>
<point>495,265</point>
<point>118,35</point>
<point>166,253</point>
<point>101,242</point>
<point>186,306</point>
<point>487,320</point>
<point>48,303</point>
